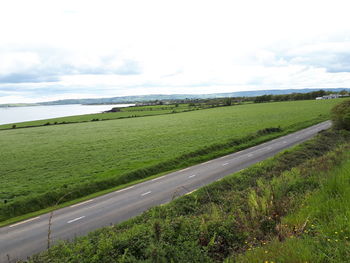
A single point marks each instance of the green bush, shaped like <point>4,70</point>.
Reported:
<point>341,115</point>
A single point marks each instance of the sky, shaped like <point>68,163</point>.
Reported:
<point>62,49</point>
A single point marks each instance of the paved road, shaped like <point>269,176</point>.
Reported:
<point>28,237</point>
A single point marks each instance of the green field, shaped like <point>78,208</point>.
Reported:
<point>61,158</point>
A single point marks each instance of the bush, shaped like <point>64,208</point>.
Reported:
<point>341,115</point>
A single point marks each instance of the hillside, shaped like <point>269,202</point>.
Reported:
<point>160,97</point>
<point>40,165</point>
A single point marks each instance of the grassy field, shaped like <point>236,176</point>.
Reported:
<point>38,162</point>
<point>293,207</point>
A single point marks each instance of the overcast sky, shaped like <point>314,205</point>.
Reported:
<point>85,49</point>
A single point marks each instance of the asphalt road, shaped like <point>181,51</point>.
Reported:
<point>26,238</point>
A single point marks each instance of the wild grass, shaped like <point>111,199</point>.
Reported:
<point>322,222</point>
<point>244,212</point>
<point>39,165</point>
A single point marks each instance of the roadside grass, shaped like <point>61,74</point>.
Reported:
<point>322,221</point>
<point>225,219</point>
<point>39,165</point>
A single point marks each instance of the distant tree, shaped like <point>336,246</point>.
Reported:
<point>263,98</point>
<point>14,126</point>
<point>343,92</point>
<point>228,102</point>
<point>341,115</point>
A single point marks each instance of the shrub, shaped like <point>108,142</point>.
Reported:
<point>341,115</point>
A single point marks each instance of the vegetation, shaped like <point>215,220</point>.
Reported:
<point>341,115</point>
<point>320,230</point>
<point>297,96</point>
<point>242,218</point>
<point>39,165</point>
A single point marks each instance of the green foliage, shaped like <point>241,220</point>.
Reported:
<point>292,96</point>
<point>239,213</point>
<point>323,224</point>
<point>39,165</point>
<point>341,115</point>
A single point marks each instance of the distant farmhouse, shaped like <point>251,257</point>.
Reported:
<point>330,96</point>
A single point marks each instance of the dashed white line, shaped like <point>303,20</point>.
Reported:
<point>155,179</point>
<point>125,189</point>
<point>82,203</point>
<point>193,175</point>
<point>75,219</point>
<point>146,193</point>
<point>225,164</point>
<point>26,221</point>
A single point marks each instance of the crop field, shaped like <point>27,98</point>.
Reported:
<point>40,160</point>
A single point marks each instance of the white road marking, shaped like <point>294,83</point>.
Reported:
<point>26,221</point>
<point>225,164</point>
<point>82,203</point>
<point>146,193</point>
<point>75,219</point>
<point>155,179</point>
<point>185,169</point>
<point>250,155</point>
<point>125,189</point>
<point>193,175</point>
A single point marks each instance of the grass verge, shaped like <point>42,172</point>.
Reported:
<point>317,232</point>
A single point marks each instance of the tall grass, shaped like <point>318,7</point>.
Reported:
<point>324,221</point>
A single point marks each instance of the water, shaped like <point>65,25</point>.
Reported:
<point>21,114</point>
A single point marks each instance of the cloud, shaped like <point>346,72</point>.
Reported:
<point>50,65</point>
<point>114,48</point>
<point>332,56</point>
<point>26,78</point>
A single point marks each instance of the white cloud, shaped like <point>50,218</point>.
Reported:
<point>112,48</point>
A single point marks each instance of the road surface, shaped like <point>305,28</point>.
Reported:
<point>26,238</point>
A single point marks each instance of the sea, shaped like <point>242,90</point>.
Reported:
<point>32,113</point>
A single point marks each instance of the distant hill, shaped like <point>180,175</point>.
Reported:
<point>142,98</point>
